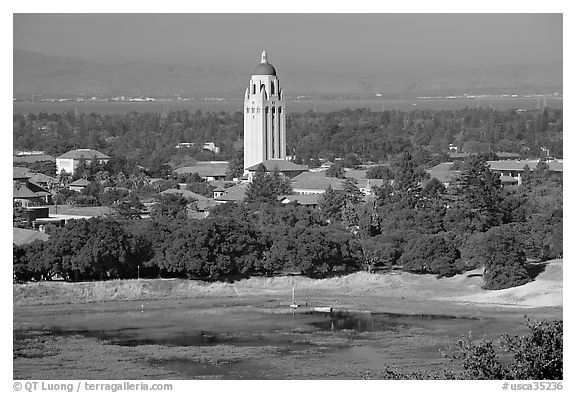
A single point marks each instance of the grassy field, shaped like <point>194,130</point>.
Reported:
<point>545,290</point>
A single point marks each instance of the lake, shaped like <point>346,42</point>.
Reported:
<point>245,338</point>
<point>104,107</point>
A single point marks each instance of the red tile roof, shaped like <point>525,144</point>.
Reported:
<point>306,200</point>
<point>316,181</point>
<point>21,191</point>
<point>205,169</point>
<point>87,154</point>
<point>80,183</point>
<point>280,165</point>
<point>185,193</point>
<point>19,172</point>
<point>518,165</point>
<point>234,194</point>
<point>33,158</point>
<point>22,236</point>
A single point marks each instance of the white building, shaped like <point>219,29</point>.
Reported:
<point>69,161</point>
<point>264,116</point>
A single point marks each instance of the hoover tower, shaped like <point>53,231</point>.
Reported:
<point>264,116</point>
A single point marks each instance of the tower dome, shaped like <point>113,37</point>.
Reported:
<point>264,68</point>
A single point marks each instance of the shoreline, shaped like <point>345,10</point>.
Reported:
<point>464,289</point>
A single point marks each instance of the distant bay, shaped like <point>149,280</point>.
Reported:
<point>112,107</point>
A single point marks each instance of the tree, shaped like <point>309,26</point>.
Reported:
<point>351,160</point>
<point>82,170</point>
<point>163,185</point>
<point>213,248</point>
<point>92,249</point>
<point>435,254</point>
<point>352,192</point>
<point>129,207</point>
<point>46,167</point>
<point>406,182</point>
<point>65,196</point>
<point>266,187</point>
<point>335,170</point>
<point>481,190</point>
<point>170,205</point>
<point>113,195</point>
<point>502,255</point>
<point>63,179</point>
<point>236,166</point>
<point>380,172</point>
<point>203,188</point>
<point>321,251</point>
<point>331,204</point>
<point>378,252</point>
<point>38,266</point>
<point>434,189</point>
<point>18,215</point>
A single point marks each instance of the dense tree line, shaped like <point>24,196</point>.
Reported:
<point>233,242</point>
<point>360,135</point>
<point>375,136</point>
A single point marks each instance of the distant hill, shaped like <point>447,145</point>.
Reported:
<point>36,73</point>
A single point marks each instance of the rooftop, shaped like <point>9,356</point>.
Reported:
<point>23,236</point>
<point>21,191</point>
<point>234,194</point>
<point>185,194</point>
<point>79,211</point>
<point>443,172</point>
<point>306,199</point>
<point>518,165</point>
<point>317,181</point>
<point>80,183</point>
<point>19,172</point>
<point>356,174</point>
<point>87,154</point>
<point>205,169</point>
<point>41,178</point>
<point>33,158</point>
<point>280,165</point>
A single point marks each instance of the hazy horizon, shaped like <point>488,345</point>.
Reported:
<point>338,43</point>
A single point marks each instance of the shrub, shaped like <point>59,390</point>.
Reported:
<point>537,355</point>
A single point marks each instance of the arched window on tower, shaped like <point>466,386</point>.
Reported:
<point>254,88</point>
<point>272,87</point>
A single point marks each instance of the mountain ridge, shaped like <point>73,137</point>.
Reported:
<point>48,75</point>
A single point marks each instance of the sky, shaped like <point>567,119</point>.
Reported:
<point>360,43</point>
